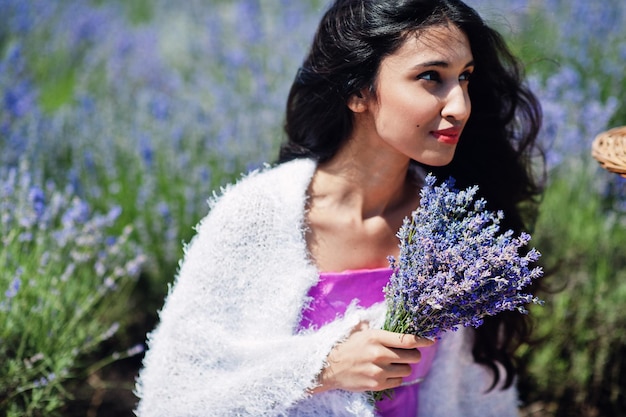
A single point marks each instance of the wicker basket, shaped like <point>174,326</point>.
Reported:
<point>609,149</point>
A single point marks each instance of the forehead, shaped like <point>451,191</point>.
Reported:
<point>445,43</point>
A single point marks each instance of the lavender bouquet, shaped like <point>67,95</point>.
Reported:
<point>455,267</point>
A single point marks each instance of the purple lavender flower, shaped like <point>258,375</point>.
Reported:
<point>14,287</point>
<point>455,267</point>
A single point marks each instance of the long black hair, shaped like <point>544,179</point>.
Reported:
<point>498,145</point>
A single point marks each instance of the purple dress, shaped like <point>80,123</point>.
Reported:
<point>331,297</point>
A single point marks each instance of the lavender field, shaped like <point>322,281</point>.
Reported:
<point>119,119</point>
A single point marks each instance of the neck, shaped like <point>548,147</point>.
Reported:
<point>364,180</point>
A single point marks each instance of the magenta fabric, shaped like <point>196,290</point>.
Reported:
<point>331,297</point>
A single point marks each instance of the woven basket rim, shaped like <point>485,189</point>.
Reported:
<point>609,149</point>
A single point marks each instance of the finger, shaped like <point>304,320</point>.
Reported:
<point>393,382</point>
<point>403,341</point>
<point>416,342</point>
<point>412,355</point>
<point>398,370</point>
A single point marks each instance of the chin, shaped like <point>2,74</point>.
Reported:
<point>441,164</point>
<point>435,161</point>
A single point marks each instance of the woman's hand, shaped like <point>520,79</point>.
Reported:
<point>370,360</point>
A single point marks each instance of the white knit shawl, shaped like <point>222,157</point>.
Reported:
<point>226,344</point>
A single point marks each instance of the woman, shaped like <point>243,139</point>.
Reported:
<point>276,308</point>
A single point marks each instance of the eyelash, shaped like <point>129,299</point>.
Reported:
<point>434,76</point>
<point>467,75</point>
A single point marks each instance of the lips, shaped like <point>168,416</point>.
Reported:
<point>448,136</point>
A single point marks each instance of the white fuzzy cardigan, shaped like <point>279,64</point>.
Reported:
<point>226,343</point>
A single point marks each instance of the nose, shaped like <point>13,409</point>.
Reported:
<point>457,104</point>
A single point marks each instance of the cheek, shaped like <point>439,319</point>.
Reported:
<point>403,112</point>
<point>410,109</point>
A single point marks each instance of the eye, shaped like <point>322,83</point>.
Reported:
<point>429,76</point>
<point>465,76</point>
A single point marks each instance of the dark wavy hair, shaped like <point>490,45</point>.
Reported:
<point>498,145</point>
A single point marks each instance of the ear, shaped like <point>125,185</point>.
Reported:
<point>357,102</point>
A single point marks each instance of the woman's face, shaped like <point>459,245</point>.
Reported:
<point>421,103</point>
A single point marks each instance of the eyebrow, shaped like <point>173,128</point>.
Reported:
<point>443,64</point>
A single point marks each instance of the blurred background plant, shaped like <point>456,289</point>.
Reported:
<point>132,113</point>
<point>66,284</point>
<point>574,53</point>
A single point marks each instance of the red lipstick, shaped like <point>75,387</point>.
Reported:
<point>448,136</point>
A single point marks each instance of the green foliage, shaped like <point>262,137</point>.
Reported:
<point>582,329</point>
<point>65,283</point>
